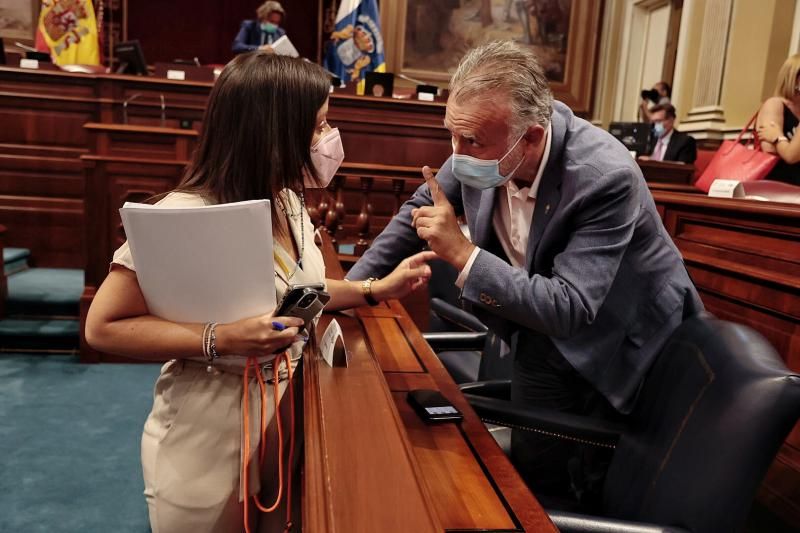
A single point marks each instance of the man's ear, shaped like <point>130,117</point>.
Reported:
<point>534,135</point>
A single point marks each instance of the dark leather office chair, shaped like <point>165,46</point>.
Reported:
<point>709,419</point>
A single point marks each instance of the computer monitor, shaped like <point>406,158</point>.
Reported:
<point>130,57</point>
<point>634,135</point>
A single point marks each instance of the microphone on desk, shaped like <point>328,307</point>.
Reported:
<point>409,78</point>
<point>163,110</point>
<point>125,106</point>
<point>25,47</point>
<point>422,87</point>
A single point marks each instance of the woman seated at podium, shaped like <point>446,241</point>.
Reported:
<point>259,34</point>
<point>265,136</point>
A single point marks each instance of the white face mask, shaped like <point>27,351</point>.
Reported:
<point>327,155</point>
<point>482,173</point>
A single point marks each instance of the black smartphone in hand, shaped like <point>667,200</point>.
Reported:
<point>303,301</point>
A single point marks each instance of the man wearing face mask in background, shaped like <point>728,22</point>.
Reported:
<point>567,261</point>
<point>259,34</point>
<point>671,144</point>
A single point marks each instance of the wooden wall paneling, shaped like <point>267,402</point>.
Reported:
<point>146,142</point>
<point>45,109</point>
<point>41,203</point>
<point>390,132</point>
<point>183,100</point>
<point>47,226</point>
<point>40,176</point>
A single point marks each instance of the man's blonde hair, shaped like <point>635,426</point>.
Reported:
<point>787,77</point>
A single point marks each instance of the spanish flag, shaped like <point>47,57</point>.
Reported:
<point>68,31</point>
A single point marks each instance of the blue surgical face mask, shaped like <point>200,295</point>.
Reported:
<point>269,27</point>
<point>658,129</point>
<point>482,173</point>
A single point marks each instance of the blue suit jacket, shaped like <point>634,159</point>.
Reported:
<point>249,37</point>
<point>603,280</point>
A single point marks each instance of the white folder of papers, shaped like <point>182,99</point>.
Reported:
<point>203,264</point>
<point>284,47</point>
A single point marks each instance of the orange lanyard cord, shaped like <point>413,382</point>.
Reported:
<point>251,361</point>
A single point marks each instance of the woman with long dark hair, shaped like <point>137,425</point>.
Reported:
<point>265,136</point>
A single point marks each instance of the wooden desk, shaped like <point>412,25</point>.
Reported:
<point>666,171</point>
<point>373,465</point>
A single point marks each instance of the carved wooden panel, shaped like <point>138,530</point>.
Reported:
<point>47,226</point>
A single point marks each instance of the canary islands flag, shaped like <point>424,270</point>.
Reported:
<point>356,45</point>
<point>68,32</point>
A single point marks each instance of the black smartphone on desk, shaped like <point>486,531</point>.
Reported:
<point>432,407</point>
<point>303,301</point>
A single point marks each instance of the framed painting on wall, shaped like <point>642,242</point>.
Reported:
<point>425,40</point>
<point>18,20</point>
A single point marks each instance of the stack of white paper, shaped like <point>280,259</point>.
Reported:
<point>284,47</point>
<point>203,264</point>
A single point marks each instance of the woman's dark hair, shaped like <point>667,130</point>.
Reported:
<point>257,129</point>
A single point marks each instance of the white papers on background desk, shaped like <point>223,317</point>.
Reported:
<point>284,47</point>
<point>203,264</point>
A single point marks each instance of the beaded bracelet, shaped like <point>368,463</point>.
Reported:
<point>205,340</point>
<point>210,342</point>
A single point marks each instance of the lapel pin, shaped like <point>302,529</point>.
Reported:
<point>546,209</point>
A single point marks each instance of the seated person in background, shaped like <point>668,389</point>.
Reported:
<point>663,93</point>
<point>569,263</point>
<point>259,34</point>
<point>777,123</point>
<point>671,145</point>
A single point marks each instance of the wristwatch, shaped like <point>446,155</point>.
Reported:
<point>366,290</point>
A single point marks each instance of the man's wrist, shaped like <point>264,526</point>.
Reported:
<point>460,261</point>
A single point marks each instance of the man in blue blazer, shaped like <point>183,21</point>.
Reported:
<point>262,32</point>
<point>567,260</point>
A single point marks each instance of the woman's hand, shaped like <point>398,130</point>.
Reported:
<point>257,336</point>
<point>769,132</point>
<point>411,274</point>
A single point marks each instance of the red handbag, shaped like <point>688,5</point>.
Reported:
<point>740,162</point>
